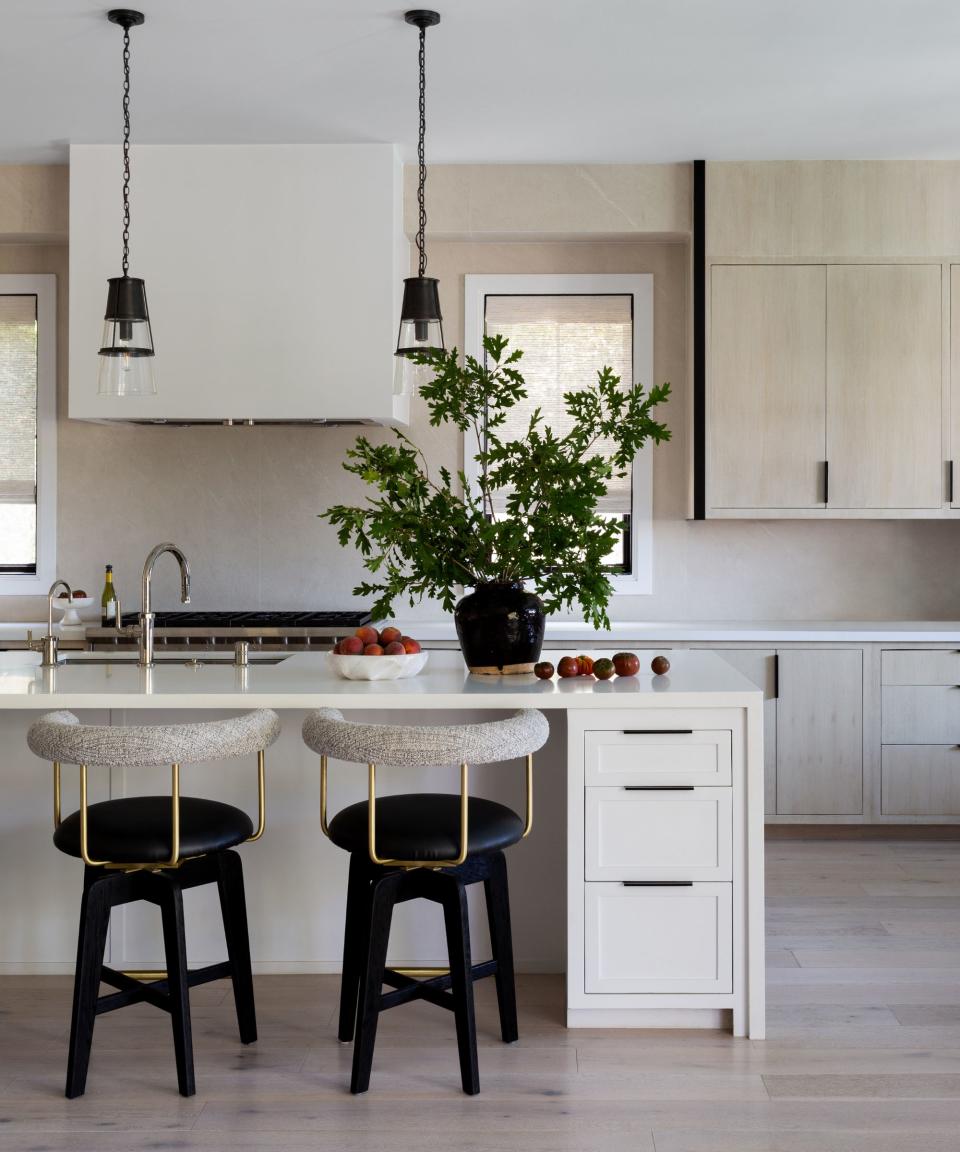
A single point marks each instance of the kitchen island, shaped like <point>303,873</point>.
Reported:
<point>648,800</point>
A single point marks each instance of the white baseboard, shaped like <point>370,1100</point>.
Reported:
<point>713,1018</point>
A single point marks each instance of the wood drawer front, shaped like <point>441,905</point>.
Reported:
<point>920,780</point>
<point>662,757</point>
<point>658,835</point>
<point>927,714</point>
<point>919,666</point>
<point>659,939</point>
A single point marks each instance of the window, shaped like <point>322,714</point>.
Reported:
<point>28,433</point>
<point>569,327</point>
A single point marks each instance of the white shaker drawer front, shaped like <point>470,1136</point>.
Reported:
<point>658,834</point>
<point>670,756</point>
<point>659,939</point>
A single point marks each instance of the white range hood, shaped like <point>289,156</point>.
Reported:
<point>273,276</point>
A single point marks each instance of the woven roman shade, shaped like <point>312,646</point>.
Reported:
<point>566,340</point>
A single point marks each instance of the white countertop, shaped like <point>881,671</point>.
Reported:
<point>306,680</point>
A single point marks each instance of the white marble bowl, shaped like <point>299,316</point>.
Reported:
<point>378,667</point>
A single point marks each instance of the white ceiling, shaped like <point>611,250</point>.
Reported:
<point>509,81</point>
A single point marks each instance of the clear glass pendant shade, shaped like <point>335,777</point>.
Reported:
<point>127,361</point>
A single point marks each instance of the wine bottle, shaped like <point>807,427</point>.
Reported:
<point>108,602</point>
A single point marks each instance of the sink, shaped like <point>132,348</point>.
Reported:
<point>184,661</point>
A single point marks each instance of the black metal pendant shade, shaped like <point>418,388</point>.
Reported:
<point>421,325</point>
<point>126,347</point>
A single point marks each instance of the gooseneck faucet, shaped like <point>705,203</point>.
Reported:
<point>48,644</point>
<point>144,630</point>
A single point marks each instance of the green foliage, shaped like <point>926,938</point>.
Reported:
<point>421,536</point>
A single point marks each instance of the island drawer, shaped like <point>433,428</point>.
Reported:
<point>920,780</point>
<point>658,755</point>
<point>668,939</point>
<point>923,714</point>
<point>918,666</point>
<point>658,833</point>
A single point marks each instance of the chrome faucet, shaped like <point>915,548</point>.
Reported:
<point>48,644</point>
<point>144,630</point>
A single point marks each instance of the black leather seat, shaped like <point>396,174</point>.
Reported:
<point>137,829</point>
<point>426,826</point>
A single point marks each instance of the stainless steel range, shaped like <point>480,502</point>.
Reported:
<point>265,631</point>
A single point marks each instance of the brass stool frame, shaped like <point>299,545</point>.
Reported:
<point>464,816</point>
<point>154,866</point>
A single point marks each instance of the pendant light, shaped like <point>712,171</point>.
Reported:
<point>421,328</point>
<point>126,351</point>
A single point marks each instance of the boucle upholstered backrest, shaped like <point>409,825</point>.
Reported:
<point>60,736</point>
<point>327,732</point>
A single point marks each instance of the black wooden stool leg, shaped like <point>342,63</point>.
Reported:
<point>382,900</point>
<point>233,907</point>
<point>175,946</point>
<point>356,937</point>
<point>501,938</point>
<point>94,922</point>
<point>457,925</point>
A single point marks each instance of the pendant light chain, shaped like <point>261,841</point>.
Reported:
<point>126,150</point>
<point>421,161</point>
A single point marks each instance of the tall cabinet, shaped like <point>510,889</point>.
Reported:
<point>828,377</point>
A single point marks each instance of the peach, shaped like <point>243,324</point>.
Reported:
<point>410,646</point>
<point>373,650</point>
<point>350,646</point>
<point>394,648</point>
<point>368,635</point>
<point>390,636</point>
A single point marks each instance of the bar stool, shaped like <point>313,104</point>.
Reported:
<point>152,848</point>
<point>424,846</point>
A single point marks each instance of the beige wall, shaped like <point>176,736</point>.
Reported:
<point>243,501</point>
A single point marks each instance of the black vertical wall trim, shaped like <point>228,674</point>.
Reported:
<point>699,340</point>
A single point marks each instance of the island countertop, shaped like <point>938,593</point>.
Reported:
<point>307,680</point>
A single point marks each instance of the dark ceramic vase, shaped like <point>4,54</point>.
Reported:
<point>500,628</point>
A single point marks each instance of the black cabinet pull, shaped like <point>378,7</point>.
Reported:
<point>657,883</point>
<point>658,731</point>
<point>658,787</point>
<point>776,675</point>
<point>826,481</point>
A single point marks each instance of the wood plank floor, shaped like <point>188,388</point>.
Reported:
<point>863,1054</point>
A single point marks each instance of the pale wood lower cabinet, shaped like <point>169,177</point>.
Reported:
<point>820,732</point>
<point>664,857</point>
<point>920,780</point>
<point>760,667</point>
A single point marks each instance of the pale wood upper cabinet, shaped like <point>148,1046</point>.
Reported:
<point>825,390</point>
<point>884,386</point>
<point>955,384</point>
<point>767,406</point>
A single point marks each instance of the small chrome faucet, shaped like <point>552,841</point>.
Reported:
<point>49,644</point>
<point>144,630</point>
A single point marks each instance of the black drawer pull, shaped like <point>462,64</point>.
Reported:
<point>657,883</point>
<point>658,787</point>
<point>658,731</point>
